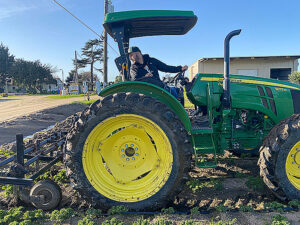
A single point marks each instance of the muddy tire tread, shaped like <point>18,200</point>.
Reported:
<point>108,105</point>
<point>278,138</point>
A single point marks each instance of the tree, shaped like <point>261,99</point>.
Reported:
<point>6,62</point>
<point>295,77</point>
<point>71,76</point>
<point>93,52</point>
<point>31,74</point>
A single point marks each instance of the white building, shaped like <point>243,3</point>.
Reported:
<point>276,67</point>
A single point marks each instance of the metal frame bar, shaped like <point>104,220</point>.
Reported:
<point>18,169</point>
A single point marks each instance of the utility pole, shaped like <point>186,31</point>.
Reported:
<point>76,68</point>
<point>92,69</point>
<point>62,75</point>
<point>6,87</point>
<point>105,45</point>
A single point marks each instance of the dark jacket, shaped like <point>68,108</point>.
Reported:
<point>138,71</point>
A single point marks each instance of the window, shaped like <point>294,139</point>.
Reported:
<point>280,73</point>
<point>247,72</point>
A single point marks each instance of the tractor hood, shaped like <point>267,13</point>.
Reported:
<point>140,23</point>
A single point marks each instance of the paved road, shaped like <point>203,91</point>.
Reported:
<point>13,107</point>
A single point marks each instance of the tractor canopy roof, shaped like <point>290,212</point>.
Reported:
<point>139,23</point>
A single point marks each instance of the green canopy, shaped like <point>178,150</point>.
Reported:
<point>141,23</point>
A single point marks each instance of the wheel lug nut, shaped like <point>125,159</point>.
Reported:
<point>123,155</point>
<point>136,154</point>
<point>293,162</point>
<point>126,145</point>
<point>122,149</point>
<point>292,155</point>
<point>131,145</point>
<point>133,158</point>
<point>127,159</point>
<point>136,149</point>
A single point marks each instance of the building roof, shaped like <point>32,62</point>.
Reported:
<point>254,57</point>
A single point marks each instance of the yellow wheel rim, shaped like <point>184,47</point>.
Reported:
<point>292,165</point>
<point>127,158</point>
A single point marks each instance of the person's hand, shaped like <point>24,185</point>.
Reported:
<point>149,75</point>
<point>184,68</point>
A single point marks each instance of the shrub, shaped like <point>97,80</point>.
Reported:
<point>161,221</point>
<point>169,210</point>
<point>62,215</point>
<point>119,209</point>
<point>279,220</point>
<point>294,204</point>
<point>86,221</point>
<point>93,213</point>
<point>8,189</point>
<point>246,208</point>
<point>295,77</point>
<point>195,210</point>
<point>221,208</point>
<point>113,221</point>
<point>141,221</point>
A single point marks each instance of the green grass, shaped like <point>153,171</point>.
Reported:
<point>187,102</point>
<point>64,96</point>
<point>86,102</point>
<point>279,220</point>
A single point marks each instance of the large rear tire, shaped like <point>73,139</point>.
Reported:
<point>128,149</point>
<point>279,159</point>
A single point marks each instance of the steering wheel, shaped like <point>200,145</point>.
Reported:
<point>178,77</point>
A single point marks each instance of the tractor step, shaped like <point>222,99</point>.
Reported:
<point>204,150</point>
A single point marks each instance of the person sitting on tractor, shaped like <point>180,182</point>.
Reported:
<point>145,68</point>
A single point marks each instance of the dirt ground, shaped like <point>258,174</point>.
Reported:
<point>17,106</point>
<point>218,192</point>
<point>29,124</point>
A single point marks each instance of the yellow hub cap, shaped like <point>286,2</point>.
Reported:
<point>292,165</point>
<point>127,158</point>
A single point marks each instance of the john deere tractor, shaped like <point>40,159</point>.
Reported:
<point>134,146</point>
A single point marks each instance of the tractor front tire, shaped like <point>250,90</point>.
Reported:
<point>128,149</point>
<point>279,159</point>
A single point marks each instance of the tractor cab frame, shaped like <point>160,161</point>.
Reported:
<point>122,26</point>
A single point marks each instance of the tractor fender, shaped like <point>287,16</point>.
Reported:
<point>154,92</point>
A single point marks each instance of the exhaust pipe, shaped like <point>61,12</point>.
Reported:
<point>226,81</point>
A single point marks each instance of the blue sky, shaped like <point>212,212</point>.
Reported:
<point>39,29</point>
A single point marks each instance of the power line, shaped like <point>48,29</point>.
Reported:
<point>84,24</point>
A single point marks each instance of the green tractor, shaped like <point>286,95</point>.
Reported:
<point>134,146</point>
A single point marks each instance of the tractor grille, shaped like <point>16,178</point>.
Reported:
<point>264,99</point>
